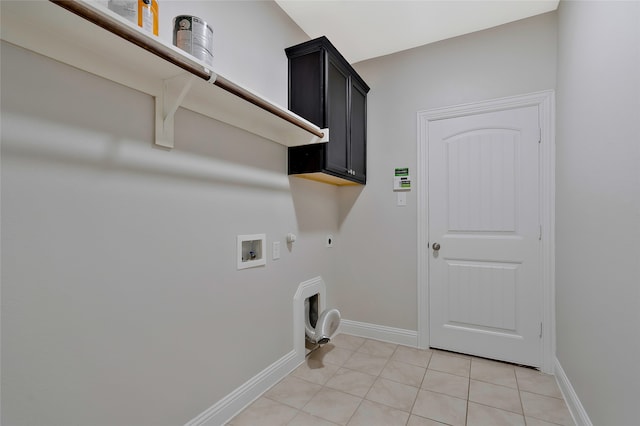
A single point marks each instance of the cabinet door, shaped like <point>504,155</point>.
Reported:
<point>358,151</point>
<point>306,87</point>
<point>337,111</point>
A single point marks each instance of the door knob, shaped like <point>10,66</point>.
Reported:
<point>435,246</point>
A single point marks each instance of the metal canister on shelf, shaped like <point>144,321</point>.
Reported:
<point>194,36</point>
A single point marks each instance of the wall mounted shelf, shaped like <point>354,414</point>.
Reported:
<point>88,36</point>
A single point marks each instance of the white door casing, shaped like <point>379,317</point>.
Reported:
<point>492,279</point>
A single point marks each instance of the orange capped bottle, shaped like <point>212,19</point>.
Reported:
<point>148,15</point>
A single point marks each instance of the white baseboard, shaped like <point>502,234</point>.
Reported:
<point>225,409</point>
<point>379,332</point>
<point>579,414</point>
<point>229,406</point>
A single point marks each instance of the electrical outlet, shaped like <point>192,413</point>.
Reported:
<point>329,241</point>
<point>276,250</point>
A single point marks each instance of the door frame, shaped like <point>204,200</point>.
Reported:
<point>545,101</point>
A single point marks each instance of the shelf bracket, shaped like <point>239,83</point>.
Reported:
<point>167,102</point>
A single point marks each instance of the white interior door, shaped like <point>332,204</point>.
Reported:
<point>485,287</point>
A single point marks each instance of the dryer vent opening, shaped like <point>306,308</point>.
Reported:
<point>311,307</point>
<point>314,303</point>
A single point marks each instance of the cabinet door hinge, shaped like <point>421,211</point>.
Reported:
<point>539,135</point>
<point>540,233</point>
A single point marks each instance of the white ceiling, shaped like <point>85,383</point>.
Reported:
<point>364,29</point>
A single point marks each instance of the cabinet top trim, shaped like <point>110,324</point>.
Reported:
<point>323,42</point>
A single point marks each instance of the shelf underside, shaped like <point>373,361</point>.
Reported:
<point>51,30</point>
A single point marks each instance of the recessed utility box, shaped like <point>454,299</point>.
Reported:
<point>251,250</point>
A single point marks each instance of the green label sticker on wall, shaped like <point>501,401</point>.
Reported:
<point>402,171</point>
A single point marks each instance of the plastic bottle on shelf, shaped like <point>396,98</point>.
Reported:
<point>148,15</point>
<point>143,13</point>
<point>128,9</point>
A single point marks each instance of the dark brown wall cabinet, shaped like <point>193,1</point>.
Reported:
<point>327,91</point>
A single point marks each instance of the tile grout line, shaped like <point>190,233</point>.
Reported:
<point>368,390</point>
<point>361,399</point>
<point>520,396</point>
<point>416,397</point>
<point>426,370</point>
<point>466,417</point>
<point>377,377</point>
<point>324,385</point>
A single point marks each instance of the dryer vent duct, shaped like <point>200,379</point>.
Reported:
<point>319,328</point>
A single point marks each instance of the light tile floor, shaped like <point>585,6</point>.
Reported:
<point>355,381</point>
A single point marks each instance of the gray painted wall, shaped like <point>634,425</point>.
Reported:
<point>377,267</point>
<point>121,302</point>
<point>598,206</point>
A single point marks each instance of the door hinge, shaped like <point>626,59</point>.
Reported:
<point>541,330</point>
<point>540,233</point>
<point>539,135</point>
